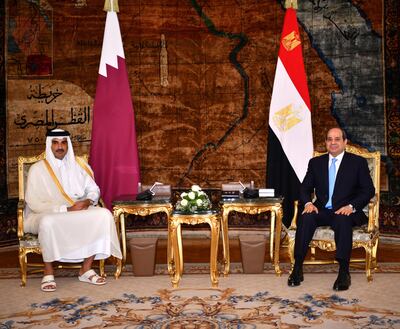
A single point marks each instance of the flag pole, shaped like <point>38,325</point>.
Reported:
<point>111,5</point>
<point>291,4</point>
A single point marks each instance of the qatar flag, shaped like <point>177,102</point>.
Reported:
<point>113,152</point>
<point>290,142</point>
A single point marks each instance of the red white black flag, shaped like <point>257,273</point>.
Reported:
<point>290,142</point>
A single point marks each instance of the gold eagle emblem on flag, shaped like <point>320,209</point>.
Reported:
<point>286,118</point>
<point>291,41</point>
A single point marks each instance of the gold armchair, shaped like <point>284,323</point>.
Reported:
<point>365,236</point>
<point>29,243</point>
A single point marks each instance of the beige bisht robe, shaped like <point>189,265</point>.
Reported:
<point>68,236</point>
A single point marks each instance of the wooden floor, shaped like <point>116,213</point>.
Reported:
<point>198,251</point>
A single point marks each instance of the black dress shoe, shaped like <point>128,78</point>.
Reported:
<point>342,282</point>
<point>295,278</point>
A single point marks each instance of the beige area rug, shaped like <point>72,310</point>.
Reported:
<point>241,301</point>
<point>204,268</point>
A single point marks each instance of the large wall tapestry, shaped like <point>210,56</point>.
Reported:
<point>201,74</point>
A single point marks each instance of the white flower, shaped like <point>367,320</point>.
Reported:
<point>193,200</point>
<point>196,188</point>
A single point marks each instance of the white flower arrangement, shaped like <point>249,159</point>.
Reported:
<point>193,200</point>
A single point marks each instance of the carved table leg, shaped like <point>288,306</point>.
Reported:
<point>177,252</point>
<point>225,242</point>
<point>278,240</point>
<point>214,225</point>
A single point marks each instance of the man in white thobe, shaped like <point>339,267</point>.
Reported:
<point>61,197</point>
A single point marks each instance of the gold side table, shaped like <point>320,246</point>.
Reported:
<point>175,257</point>
<point>127,204</point>
<point>253,206</point>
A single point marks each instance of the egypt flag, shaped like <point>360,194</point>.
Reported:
<point>113,152</point>
<point>290,143</point>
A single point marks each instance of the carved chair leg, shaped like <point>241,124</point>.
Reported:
<point>312,253</point>
<point>291,252</point>
<point>23,266</point>
<point>368,261</point>
<point>118,269</point>
<point>374,263</point>
<point>101,267</point>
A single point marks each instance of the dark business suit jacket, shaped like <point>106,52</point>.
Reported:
<point>353,184</point>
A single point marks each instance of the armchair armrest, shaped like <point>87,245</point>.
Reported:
<point>373,215</point>
<point>20,217</point>
<point>293,224</point>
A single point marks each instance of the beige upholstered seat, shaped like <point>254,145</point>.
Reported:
<point>29,243</point>
<point>365,236</point>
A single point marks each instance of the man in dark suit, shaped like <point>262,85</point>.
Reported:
<point>343,187</point>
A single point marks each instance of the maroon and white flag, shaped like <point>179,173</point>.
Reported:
<point>113,152</point>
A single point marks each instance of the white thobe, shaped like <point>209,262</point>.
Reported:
<point>67,236</point>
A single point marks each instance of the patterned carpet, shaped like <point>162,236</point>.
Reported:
<point>241,301</point>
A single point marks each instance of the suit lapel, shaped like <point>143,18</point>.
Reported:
<point>340,173</point>
<point>325,172</point>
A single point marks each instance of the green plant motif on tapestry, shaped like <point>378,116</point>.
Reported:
<point>193,200</point>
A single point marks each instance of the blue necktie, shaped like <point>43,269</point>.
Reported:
<point>332,177</point>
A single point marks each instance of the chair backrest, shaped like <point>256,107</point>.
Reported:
<point>24,163</point>
<point>374,165</point>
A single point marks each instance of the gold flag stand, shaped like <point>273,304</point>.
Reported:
<point>291,4</point>
<point>111,5</point>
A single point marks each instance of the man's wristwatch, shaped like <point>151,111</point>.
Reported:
<point>352,208</point>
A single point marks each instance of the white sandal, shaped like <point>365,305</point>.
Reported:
<point>92,277</point>
<point>48,284</point>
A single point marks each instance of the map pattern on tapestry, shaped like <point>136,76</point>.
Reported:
<point>201,75</point>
